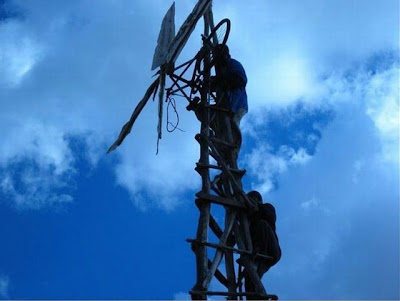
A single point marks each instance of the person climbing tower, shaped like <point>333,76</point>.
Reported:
<point>231,80</point>
<point>264,238</point>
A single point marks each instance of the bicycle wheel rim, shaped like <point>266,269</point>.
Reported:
<point>220,32</point>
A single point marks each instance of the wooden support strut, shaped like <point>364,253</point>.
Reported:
<point>220,277</point>
<point>229,222</point>
<point>199,165</point>
<point>204,207</point>
<point>227,248</point>
<point>219,200</point>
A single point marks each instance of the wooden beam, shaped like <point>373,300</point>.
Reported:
<point>230,218</point>
<point>204,207</point>
<point>246,231</point>
<point>261,296</point>
<point>220,277</point>
<point>229,263</point>
<point>215,227</point>
<point>230,272</point>
<point>227,248</point>
<point>214,153</point>
<point>219,200</point>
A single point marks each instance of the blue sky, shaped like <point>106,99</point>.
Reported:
<point>320,141</point>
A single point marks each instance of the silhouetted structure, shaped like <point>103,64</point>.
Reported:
<point>220,142</point>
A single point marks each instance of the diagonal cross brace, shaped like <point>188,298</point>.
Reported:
<point>230,220</point>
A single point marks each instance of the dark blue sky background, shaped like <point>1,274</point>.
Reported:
<point>99,247</point>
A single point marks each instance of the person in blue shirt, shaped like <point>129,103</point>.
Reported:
<point>231,79</point>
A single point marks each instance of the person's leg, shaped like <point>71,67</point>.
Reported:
<point>262,268</point>
<point>273,248</point>
<point>249,286</point>
<point>257,232</point>
<point>236,133</point>
<point>237,117</point>
<point>267,242</point>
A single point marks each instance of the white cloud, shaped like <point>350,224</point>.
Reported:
<point>379,95</point>
<point>288,46</point>
<point>17,56</point>
<point>80,72</point>
<point>375,94</point>
<point>382,97</point>
<point>82,88</point>
<point>162,179</point>
<point>329,242</point>
<point>35,161</point>
<point>307,205</point>
<point>34,140</point>
<point>35,190</point>
<point>265,166</point>
<point>352,176</point>
<point>280,81</point>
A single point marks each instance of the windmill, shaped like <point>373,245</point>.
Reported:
<point>217,165</point>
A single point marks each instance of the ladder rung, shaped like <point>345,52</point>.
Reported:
<point>219,200</point>
<point>222,142</point>
<point>202,165</point>
<point>241,172</point>
<point>224,247</point>
<point>231,294</point>
<point>199,137</point>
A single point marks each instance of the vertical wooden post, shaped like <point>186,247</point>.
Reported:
<point>230,273</point>
<point>229,265</point>
<point>204,207</point>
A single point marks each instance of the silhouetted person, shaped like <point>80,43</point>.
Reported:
<point>264,238</point>
<point>231,80</point>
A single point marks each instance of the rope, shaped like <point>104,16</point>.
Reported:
<point>172,126</point>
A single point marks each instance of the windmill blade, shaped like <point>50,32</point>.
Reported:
<point>126,129</point>
<point>186,29</point>
<point>165,37</point>
<point>160,106</point>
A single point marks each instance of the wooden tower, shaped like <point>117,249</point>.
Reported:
<point>222,186</point>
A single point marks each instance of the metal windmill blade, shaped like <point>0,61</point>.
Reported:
<point>167,51</point>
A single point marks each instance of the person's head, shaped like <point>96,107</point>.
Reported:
<point>222,51</point>
<point>255,195</point>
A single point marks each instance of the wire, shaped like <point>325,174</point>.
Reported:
<point>171,126</point>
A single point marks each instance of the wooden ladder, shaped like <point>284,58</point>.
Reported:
<point>225,189</point>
